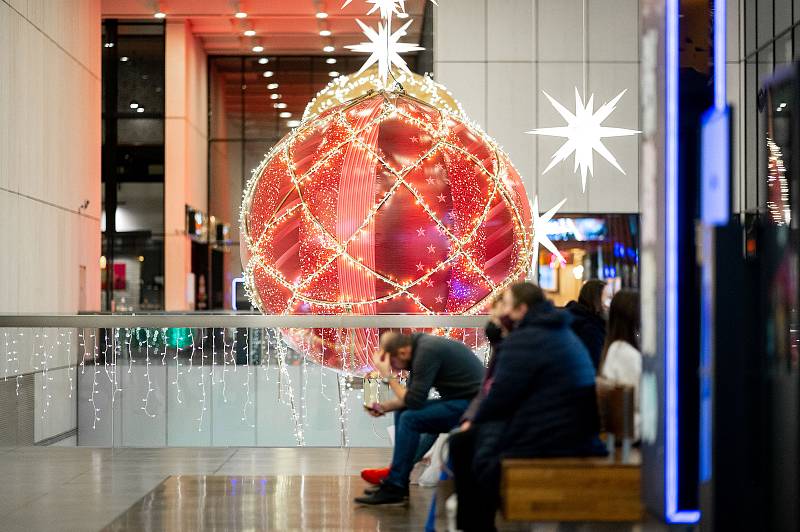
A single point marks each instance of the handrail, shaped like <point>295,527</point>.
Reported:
<point>237,320</point>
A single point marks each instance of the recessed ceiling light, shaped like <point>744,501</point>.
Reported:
<point>258,48</point>
<point>140,110</point>
<point>274,96</point>
<point>272,86</point>
<point>160,15</point>
<point>249,33</point>
<point>280,105</point>
<point>331,60</point>
<point>285,114</point>
<point>124,58</point>
<point>328,48</point>
<point>240,14</point>
<point>333,74</point>
<point>263,61</point>
<point>325,33</point>
<point>293,123</point>
<point>322,14</point>
<point>134,105</point>
<point>268,74</point>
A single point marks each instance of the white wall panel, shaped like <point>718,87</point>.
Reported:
<point>460,33</point>
<point>539,45</point>
<point>509,115</point>
<point>511,30</point>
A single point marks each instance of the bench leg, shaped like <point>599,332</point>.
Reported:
<point>611,445</point>
<point>626,450</point>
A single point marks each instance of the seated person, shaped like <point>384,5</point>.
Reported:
<point>622,361</point>
<point>433,362</point>
<point>588,320</point>
<point>541,403</point>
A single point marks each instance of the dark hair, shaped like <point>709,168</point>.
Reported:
<point>591,295</point>
<point>391,341</point>
<point>623,320</point>
<point>525,292</point>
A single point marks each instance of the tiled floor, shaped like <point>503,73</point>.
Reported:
<point>76,489</point>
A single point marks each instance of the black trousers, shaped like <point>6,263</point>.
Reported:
<point>475,459</point>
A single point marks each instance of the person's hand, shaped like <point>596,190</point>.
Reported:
<point>380,360</point>
<point>376,410</point>
<point>466,425</point>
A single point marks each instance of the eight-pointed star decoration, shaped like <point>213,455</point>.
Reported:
<point>540,232</point>
<point>384,48</point>
<point>584,133</point>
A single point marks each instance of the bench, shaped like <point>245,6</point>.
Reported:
<point>581,488</point>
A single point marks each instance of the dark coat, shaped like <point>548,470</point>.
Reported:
<point>544,389</point>
<point>590,328</point>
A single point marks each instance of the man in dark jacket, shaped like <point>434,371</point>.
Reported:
<point>433,362</point>
<point>541,404</point>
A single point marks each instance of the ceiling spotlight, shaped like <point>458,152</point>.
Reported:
<point>124,58</point>
<point>109,45</point>
<point>333,74</point>
<point>280,105</point>
<point>240,14</point>
<point>285,114</point>
<point>272,86</point>
<point>134,105</point>
<point>258,48</point>
<point>328,48</point>
<point>140,109</point>
<point>331,60</point>
<point>249,33</point>
<point>263,61</point>
<point>322,14</point>
<point>274,96</point>
<point>293,123</point>
<point>325,33</point>
<point>268,74</point>
<point>160,15</point>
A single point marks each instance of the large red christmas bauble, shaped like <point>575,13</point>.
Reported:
<point>381,205</point>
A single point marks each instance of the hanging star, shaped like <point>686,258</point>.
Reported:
<point>387,7</point>
<point>540,231</point>
<point>584,133</point>
<point>384,48</point>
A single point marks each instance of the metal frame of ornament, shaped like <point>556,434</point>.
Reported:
<point>281,150</point>
<point>338,90</point>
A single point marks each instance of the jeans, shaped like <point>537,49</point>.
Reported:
<point>435,417</point>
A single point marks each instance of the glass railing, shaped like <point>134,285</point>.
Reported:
<point>164,380</point>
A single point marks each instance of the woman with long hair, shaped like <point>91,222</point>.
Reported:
<point>622,361</point>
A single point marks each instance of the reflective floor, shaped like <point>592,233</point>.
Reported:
<point>76,489</point>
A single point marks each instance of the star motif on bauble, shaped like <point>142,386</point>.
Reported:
<point>539,223</point>
<point>384,48</point>
<point>584,133</point>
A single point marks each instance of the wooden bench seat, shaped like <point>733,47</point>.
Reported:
<point>571,489</point>
<point>581,489</point>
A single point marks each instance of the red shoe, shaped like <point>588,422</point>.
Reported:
<point>375,476</point>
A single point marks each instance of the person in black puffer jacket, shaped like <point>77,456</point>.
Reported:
<point>541,403</point>
<point>587,318</point>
